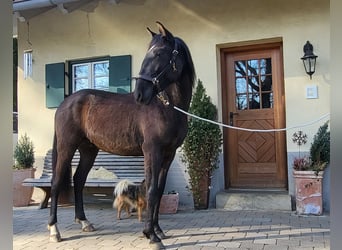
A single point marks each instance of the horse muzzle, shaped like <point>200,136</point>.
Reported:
<point>144,91</point>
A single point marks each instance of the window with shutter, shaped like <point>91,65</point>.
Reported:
<point>120,74</point>
<point>106,73</point>
<point>90,75</point>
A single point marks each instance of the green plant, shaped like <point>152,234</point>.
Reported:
<point>202,144</point>
<point>24,153</point>
<point>319,150</point>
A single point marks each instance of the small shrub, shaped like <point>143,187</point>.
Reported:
<point>24,153</point>
<point>202,145</point>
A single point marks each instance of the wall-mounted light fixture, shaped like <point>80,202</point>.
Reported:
<point>309,59</point>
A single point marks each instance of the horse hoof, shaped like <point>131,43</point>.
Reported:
<point>55,238</point>
<point>88,228</point>
<point>157,245</point>
<point>146,234</point>
<point>86,225</point>
<point>162,236</point>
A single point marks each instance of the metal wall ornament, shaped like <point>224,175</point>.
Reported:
<point>309,59</point>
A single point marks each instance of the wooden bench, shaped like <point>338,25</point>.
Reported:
<point>117,167</point>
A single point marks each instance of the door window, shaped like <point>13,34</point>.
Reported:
<point>253,84</point>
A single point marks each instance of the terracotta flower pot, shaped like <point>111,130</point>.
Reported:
<point>204,192</point>
<point>22,195</point>
<point>308,192</point>
<point>169,203</point>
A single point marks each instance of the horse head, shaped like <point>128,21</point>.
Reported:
<point>161,66</point>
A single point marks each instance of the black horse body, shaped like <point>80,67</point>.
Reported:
<point>127,124</point>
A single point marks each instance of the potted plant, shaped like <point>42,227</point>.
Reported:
<point>22,169</point>
<point>308,172</point>
<point>201,147</point>
<point>169,203</point>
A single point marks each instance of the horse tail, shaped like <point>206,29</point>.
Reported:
<point>65,184</point>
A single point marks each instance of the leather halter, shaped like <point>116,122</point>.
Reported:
<point>155,80</point>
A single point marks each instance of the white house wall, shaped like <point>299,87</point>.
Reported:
<point>206,26</point>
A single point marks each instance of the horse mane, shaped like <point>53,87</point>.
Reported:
<point>189,65</point>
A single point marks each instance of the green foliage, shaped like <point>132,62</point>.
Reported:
<point>202,145</point>
<point>320,148</point>
<point>24,153</point>
<point>319,152</point>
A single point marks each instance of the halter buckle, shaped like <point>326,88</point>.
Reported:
<point>155,80</point>
<point>163,98</point>
<point>175,53</point>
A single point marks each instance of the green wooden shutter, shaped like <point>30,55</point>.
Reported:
<point>54,80</point>
<point>120,74</point>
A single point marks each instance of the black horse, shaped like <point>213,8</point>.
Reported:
<point>140,123</point>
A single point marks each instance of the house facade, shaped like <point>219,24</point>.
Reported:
<point>247,54</point>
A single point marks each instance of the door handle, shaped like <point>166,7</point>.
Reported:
<point>231,118</point>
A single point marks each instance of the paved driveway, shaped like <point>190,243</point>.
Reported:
<point>206,229</point>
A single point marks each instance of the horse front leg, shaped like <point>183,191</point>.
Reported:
<point>157,228</point>
<point>152,169</point>
<point>152,201</point>
<point>161,187</point>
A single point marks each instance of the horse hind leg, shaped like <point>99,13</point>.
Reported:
<point>60,180</point>
<point>88,154</point>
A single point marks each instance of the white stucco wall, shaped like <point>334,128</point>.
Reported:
<point>204,26</point>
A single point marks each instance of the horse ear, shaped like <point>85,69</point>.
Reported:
<point>151,32</point>
<point>163,31</point>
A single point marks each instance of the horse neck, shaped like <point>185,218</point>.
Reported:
<point>180,94</point>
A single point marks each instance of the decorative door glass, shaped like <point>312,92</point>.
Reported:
<point>253,84</point>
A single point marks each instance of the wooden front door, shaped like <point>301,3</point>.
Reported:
<point>253,97</point>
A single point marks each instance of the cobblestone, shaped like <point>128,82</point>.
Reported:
<point>188,229</point>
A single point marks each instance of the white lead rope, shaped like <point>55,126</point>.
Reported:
<point>253,130</point>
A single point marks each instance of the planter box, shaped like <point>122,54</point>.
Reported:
<point>22,195</point>
<point>308,192</point>
<point>169,203</point>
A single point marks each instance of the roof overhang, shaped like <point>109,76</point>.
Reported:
<point>26,9</point>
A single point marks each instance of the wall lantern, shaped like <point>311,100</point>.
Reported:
<point>28,63</point>
<point>309,59</point>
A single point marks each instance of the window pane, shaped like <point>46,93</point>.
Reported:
<point>253,67</point>
<point>101,83</point>
<point>81,71</point>
<point>101,69</point>
<point>254,101</point>
<point>81,84</point>
<point>241,102</point>
<point>266,83</point>
<point>240,68</point>
<point>267,100</point>
<point>253,84</point>
<point>265,66</point>
<point>241,86</point>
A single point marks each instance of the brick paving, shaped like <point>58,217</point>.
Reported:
<point>188,229</point>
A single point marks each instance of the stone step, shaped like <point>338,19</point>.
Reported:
<point>253,200</point>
